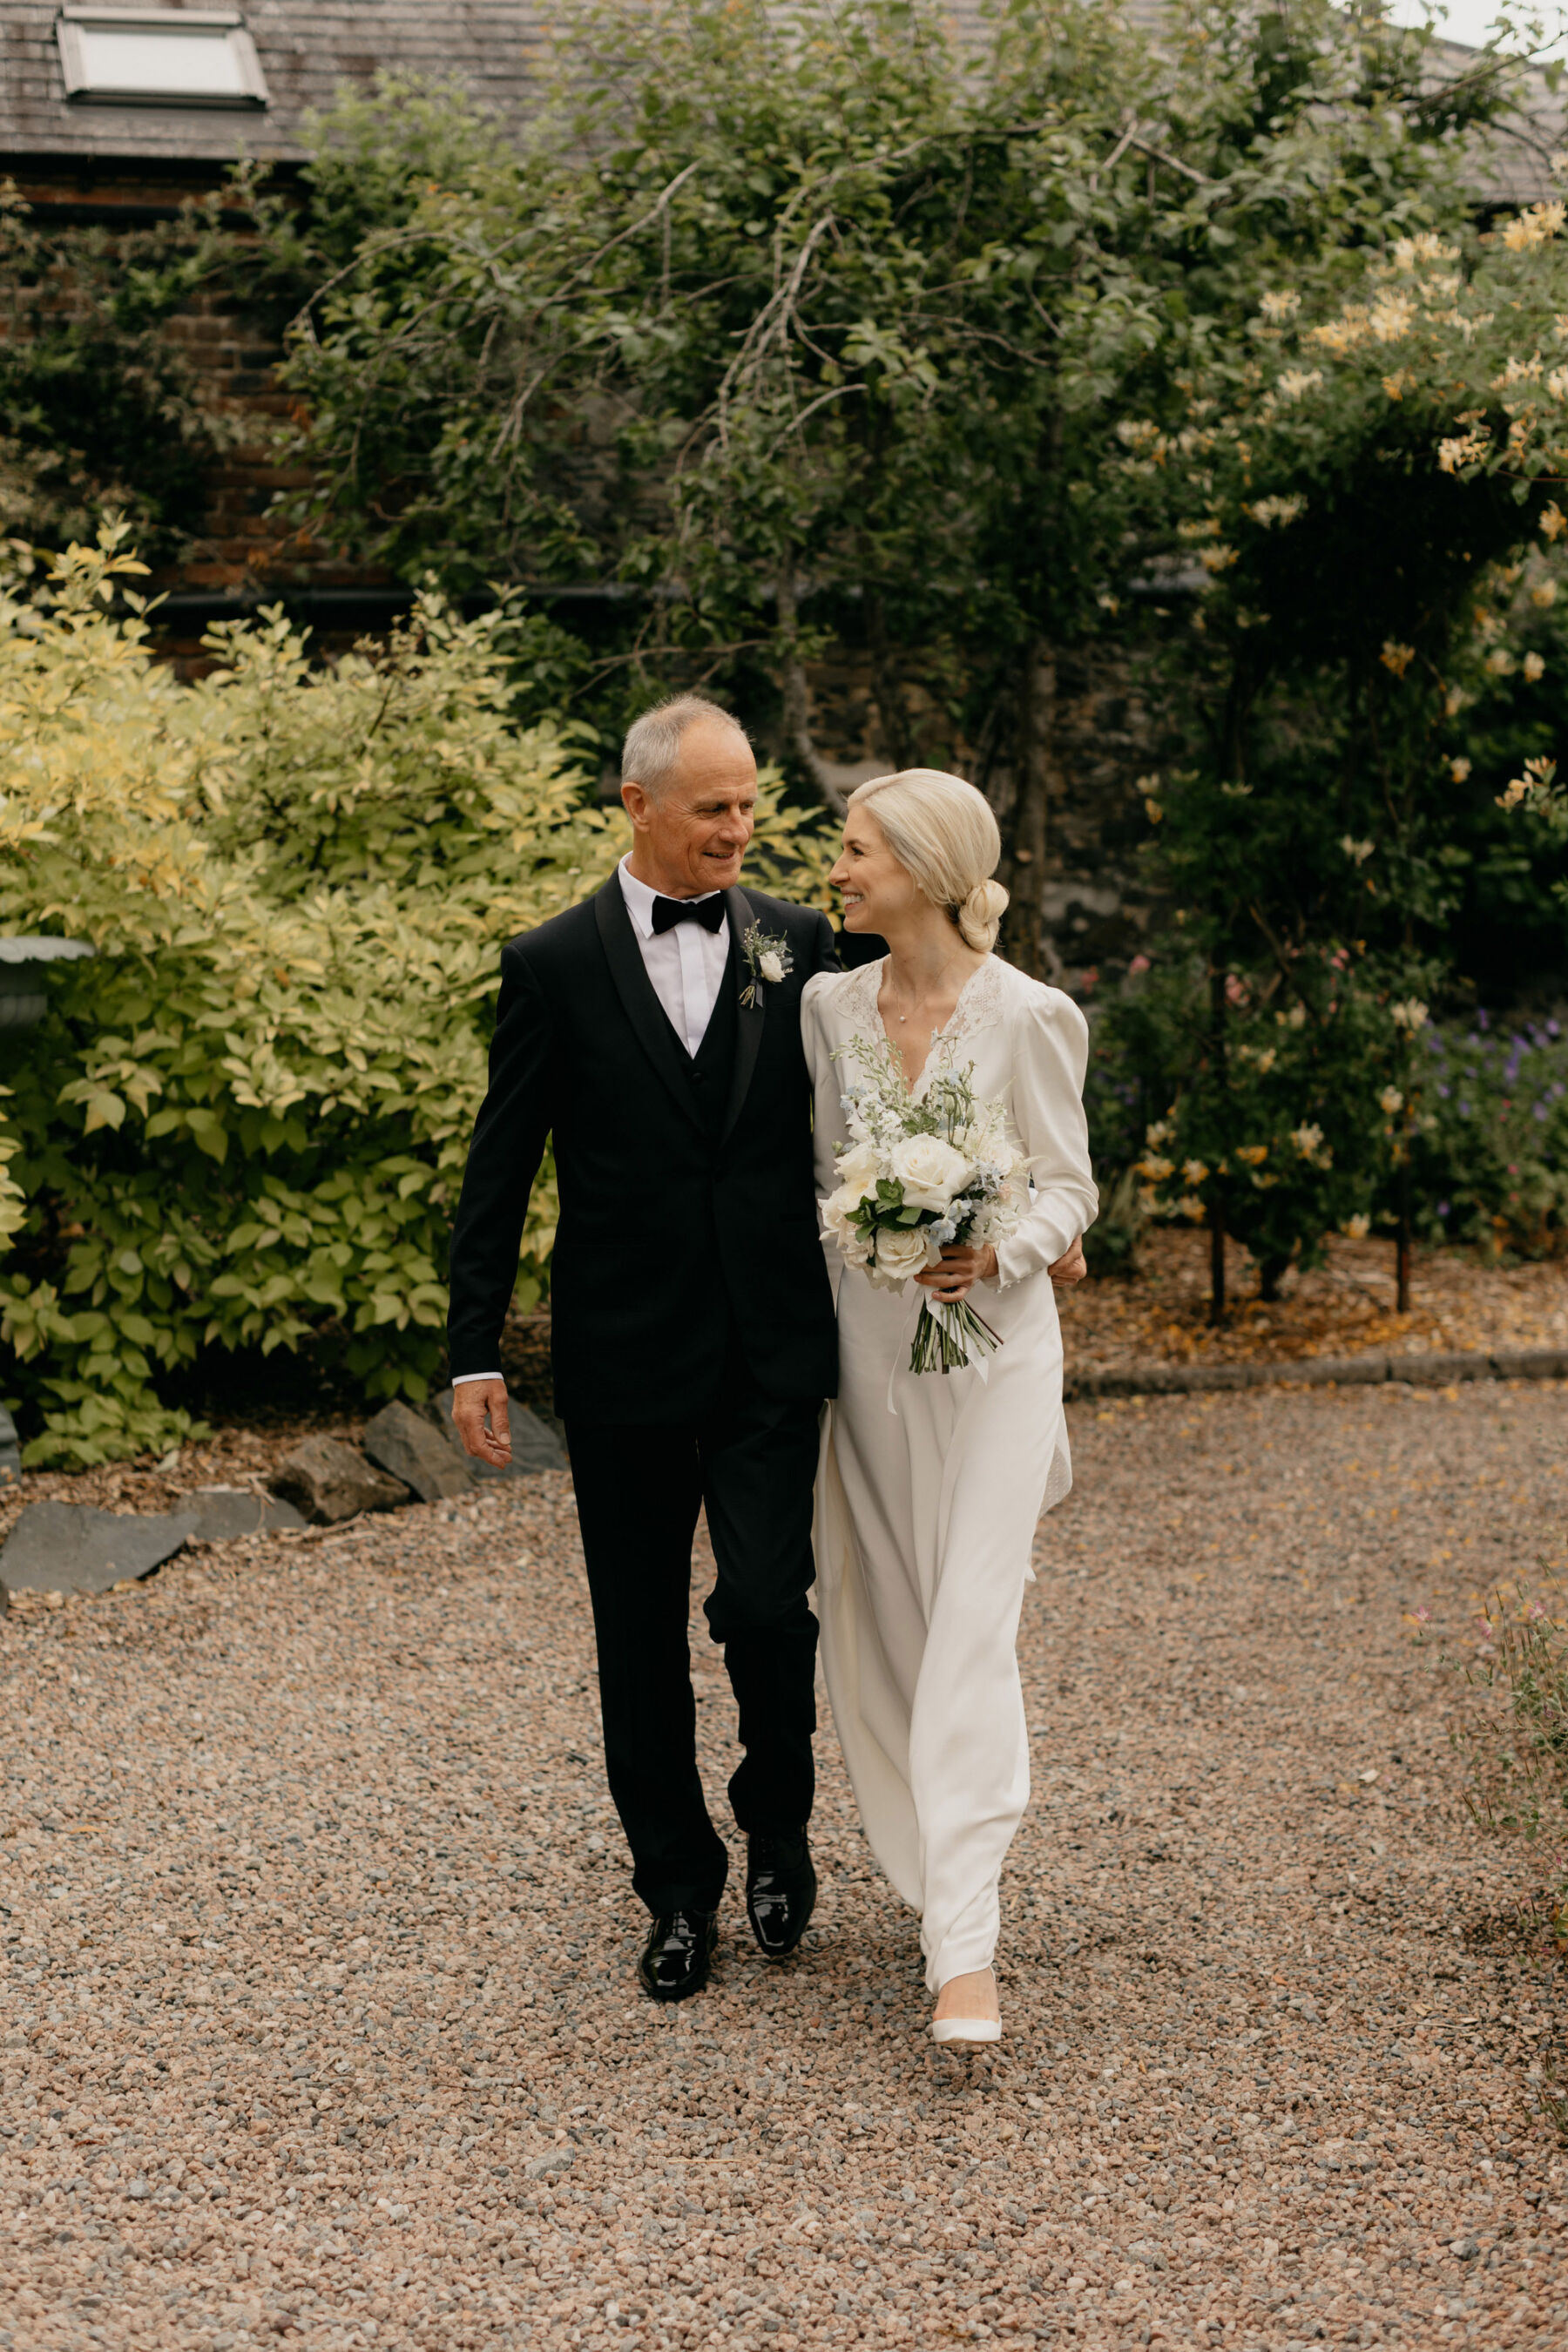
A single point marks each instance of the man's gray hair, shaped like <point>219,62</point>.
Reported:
<point>651,752</point>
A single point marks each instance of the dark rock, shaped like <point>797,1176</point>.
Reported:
<point>1531,1363</point>
<point>1438,1371</point>
<point>72,1548</point>
<point>421,1453</point>
<point>330,1481</point>
<point>218,1514</point>
<point>1199,1377</point>
<point>534,1443</point>
<point>1335,1372</point>
<point>10,1451</point>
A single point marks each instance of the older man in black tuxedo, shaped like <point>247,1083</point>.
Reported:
<point>692,1324</point>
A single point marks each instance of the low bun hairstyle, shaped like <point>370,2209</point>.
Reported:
<point>942,833</point>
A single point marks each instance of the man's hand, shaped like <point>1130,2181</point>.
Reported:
<point>1071,1268</point>
<point>479,1414</point>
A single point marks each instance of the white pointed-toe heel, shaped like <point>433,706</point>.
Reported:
<point>965,2029</point>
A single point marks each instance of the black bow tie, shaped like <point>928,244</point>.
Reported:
<point>667,912</point>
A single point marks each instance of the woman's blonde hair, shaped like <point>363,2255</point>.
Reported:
<point>942,831</point>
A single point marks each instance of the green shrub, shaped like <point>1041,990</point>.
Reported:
<point>1491,1153</point>
<point>242,1123</point>
<point>1280,1115</point>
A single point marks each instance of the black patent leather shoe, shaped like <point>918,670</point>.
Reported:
<point>679,1953</point>
<point>780,1889</point>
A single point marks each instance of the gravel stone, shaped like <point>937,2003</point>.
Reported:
<point>321,1941</point>
<point>329,1482</point>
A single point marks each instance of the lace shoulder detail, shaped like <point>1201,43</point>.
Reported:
<point>982,1003</point>
<point>850,996</point>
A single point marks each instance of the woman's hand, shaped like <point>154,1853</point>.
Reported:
<point>1071,1268</point>
<point>960,1269</point>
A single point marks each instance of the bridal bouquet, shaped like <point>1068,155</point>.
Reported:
<point>920,1173</point>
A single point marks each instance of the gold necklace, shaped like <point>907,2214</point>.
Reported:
<point>915,1007</point>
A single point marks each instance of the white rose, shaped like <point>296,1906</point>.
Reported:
<point>858,1170</point>
<point>901,1252</point>
<point>770,964</point>
<point>836,1211</point>
<point>929,1170</point>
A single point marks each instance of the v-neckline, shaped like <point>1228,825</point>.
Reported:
<point>912,1086</point>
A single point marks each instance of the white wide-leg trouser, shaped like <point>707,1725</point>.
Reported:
<point>925,1520</point>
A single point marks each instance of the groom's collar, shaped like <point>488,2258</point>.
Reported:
<point>639,897</point>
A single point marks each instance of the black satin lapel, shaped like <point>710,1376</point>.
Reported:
<point>749,1035</point>
<point>643,1009</point>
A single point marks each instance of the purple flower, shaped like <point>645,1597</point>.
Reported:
<point>1444,1092</point>
<point>1483,1019</point>
<point>1442,1208</point>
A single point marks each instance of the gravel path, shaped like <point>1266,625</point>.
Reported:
<point>320,2025</point>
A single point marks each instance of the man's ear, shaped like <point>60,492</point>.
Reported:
<point>635,802</point>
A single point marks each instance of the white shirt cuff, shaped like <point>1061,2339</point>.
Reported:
<point>459,1378</point>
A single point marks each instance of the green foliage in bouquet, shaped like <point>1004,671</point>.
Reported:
<point>243,1121</point>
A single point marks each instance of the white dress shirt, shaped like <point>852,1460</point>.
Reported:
<point>686,965</point>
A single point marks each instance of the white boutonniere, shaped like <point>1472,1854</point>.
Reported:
<point>767,959</point>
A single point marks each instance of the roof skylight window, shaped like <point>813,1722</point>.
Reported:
<point>159,56</point>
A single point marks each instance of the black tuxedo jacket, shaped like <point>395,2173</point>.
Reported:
<point>688,1207</point>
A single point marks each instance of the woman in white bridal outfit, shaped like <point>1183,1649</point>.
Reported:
<point>931,1485</point>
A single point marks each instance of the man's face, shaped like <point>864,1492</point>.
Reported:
<point>692,837</point>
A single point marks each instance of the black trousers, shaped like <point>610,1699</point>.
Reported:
<point>751,1459</point>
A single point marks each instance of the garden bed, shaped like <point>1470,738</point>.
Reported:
<point>1345,1307</point>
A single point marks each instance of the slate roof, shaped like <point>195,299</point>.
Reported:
<point>310,48</point>
<point>307,49</point>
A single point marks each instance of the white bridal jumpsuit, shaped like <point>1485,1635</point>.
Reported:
<point>926,1514</point>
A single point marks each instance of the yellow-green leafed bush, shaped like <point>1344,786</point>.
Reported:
<point>242,1123</point>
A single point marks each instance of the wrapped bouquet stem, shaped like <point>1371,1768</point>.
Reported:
<point>920,1173</point>
<point>949,1335</point>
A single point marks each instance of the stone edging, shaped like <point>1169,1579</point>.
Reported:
<point>1322,1372</point>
